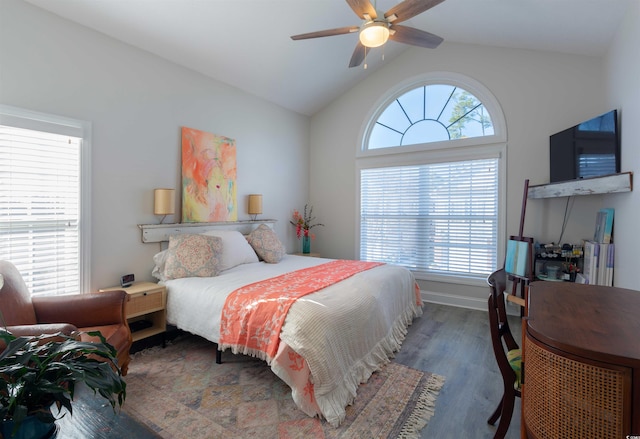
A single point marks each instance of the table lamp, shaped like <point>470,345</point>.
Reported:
<point>163,202</point>
<point>255,205</point>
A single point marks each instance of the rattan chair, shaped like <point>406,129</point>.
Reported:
<point>507,352</point>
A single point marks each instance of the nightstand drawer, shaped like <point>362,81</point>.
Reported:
<point>143,303</point>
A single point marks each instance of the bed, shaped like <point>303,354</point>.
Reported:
<point>331,340</point>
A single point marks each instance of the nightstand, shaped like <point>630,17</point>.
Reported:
<point>311,255</point>
<point>145,309</point>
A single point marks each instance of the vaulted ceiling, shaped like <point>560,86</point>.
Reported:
<point>247,44</point>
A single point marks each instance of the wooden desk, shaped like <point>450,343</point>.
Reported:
<point>581,361</point>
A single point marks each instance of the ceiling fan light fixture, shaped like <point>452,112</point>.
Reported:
<point>374,34</point>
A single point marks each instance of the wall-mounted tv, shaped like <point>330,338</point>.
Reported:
<point>589,149</point>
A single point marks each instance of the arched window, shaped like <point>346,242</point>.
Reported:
<point>430,113</point>
<point>430,172</point>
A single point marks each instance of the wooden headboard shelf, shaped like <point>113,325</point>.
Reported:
<point>161,232</point>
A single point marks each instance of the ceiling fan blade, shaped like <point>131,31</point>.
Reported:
<point>362,7</point>
<point>415,37</point>
<point>358,55</point>
<point>409,9</point>
<point>326,33</point>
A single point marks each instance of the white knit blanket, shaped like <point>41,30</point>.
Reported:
<point>344,332</point>
<point>348,331</point>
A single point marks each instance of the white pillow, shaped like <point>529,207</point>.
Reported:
<point>235,249</point>
<point>159,259</point>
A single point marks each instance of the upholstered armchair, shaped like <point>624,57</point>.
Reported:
<point>26,315</point>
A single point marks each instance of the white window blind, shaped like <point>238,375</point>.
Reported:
<point>40,208</point>
<point>437,218</point>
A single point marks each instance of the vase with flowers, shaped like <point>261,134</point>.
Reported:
<point>303,224</point>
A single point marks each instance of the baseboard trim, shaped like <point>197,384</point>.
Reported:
<point>463,302</point>
<point>454,300</point>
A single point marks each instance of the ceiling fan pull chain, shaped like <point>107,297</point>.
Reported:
<point>365,57</point>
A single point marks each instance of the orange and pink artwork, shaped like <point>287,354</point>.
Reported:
<point>208,177</point>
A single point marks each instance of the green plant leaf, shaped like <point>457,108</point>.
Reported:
<point>40,371</point>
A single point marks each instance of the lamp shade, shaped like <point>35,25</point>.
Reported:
<point>255,204</point>
<point>374,34</point>
<point>163,201</point>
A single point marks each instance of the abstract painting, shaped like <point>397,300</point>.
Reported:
<point>208,177</point>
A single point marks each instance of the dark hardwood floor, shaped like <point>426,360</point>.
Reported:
<point>453,342</point>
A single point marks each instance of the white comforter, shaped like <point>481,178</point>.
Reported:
<point>344,332</point>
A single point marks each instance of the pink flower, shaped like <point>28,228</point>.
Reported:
<point>302,223</point>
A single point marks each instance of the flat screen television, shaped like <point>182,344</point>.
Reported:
<point>589,149</point>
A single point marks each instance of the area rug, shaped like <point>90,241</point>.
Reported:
<point>179,392</point>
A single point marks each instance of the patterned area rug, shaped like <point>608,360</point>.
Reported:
<point>180,392</point>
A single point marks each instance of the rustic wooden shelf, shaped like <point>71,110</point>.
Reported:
<point>607,184</point>
<point>161,232</point>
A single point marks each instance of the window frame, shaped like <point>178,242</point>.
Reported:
<point>494,145</point>
<point>39,121</point>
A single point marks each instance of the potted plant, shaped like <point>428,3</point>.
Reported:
<point>39,372</point>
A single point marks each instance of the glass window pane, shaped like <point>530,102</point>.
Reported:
<point>413,104</point>
<point>394,117</point>
<point>40,208</point>
<point>383,137</point>
<point>432,113</point>
<point>425,131</point>
<point>437,97</point>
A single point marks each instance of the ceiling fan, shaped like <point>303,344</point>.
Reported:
<point>376,28</point>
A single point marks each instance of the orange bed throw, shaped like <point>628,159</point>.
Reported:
<point>254,314</point>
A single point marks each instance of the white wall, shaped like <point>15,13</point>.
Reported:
<point>540,94</point>
<point>137,103</point>
<point>623,92</point>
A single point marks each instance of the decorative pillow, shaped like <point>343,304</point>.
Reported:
<point>193,256</point>
<point>159,259</point>
<point>266,244</point>
<point>235,249</point>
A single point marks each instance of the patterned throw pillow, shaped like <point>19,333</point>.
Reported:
<point>193,256</point>
<point>266,244</point>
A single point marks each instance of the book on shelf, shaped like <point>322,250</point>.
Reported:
<point>610,263</point>
<point>604,226</point>
<point>590,264</point>
<point>602,263</point>
<point>599,261</point>
<point>599,253</point>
